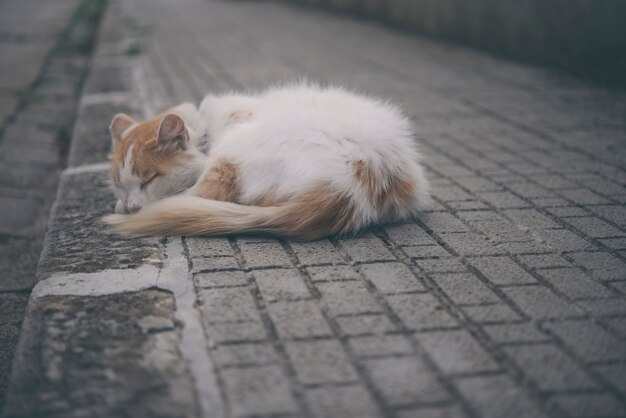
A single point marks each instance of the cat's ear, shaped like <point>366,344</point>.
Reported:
<point>119,124</point>
<point>172,134</point>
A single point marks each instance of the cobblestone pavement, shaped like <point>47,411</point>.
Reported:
<point>506,299</point>
<point>45,51</point>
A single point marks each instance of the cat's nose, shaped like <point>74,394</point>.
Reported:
<point>133,208</point>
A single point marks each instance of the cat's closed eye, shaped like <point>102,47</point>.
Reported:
<point>150,179</point>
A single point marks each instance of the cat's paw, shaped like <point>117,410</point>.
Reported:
<point>120,209</point>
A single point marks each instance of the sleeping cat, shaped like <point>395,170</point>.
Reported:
<point>298,161</point>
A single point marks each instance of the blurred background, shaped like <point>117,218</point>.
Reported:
<point>583,37</point>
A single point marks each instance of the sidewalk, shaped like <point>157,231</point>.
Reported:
<point>506,299</point>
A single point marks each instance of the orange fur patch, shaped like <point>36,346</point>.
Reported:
<point>219,183</point>
<point>386,193</point>
<point>314,214</point>
<point>238,116</point>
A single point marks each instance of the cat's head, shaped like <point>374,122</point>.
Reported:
<point>151,160</point>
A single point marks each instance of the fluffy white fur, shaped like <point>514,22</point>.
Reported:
<point>288,140</point>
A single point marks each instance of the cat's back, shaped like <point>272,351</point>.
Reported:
<point>309,104</point>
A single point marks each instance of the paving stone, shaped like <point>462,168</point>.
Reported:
<point>365,324</point>
<point>583,197</point>
<point>228,304</point>
<point>426,251</point>
<point>602,266</point>
<point>515,333</point>
<point>465,288</point>
<point>539,302</point>
<point>367,249</point>
<point>595,228</point>
<point>27,176</point>
<point>550,368</point>
<point>441,265</point>
<point>264,254</point>
<point>450,193</point>
<point>564,240</point>
<point>391,277</point>
<point>470,244</point>
<point>9,333</point>
<point>318,252</point>
<point>490,314</point>
<point>614,373</point>
<point>320,362</point>
<point>446,411</point>
<point>497,396</point>
<point>298,319</point>
<point>209,247</point>
<point>500,231</point>
<point>332,273</point>
<point>19,213</point>
<point>588,340</point>
<point>503,200</point>
<point>467,205</point>
<point>380,345</point>
<point>537,261</point>
<point>202,264</point>
<point>220,279</point>
<point>568,212</point>
<point>258,390</point>
<point>409,234</point>
<point>443,222</point>
<point>12,307</point>
<point>604,307</point>
<point>349,297</point>
<point>529,190</point>
<point>502,270</point>
<point>245,354</point>
<point>574,283</point>
<point>420,311</point>
<point>478,184</point>
<point>456,352</point>
<point>613,213</point>
<point>281,284</point>
<point>404,380</point>
<point>236,332</point>
<point>550,202</point>
<point>531,219</point>
<point>331,402</point>
<point>590,405</point>
<point>18,262</point>
<point>614,243</point>
<point>522,247</point>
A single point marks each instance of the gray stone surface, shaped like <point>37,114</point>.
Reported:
<point>124,367</point>
<point>505,298</point>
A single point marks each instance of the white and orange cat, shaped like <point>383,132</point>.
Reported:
<point>298,161</point>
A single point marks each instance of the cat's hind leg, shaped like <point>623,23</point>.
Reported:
<point>218,182</point>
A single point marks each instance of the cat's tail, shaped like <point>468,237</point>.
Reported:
<point>309,216</point>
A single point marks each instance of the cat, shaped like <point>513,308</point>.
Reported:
<point>298,161</point>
